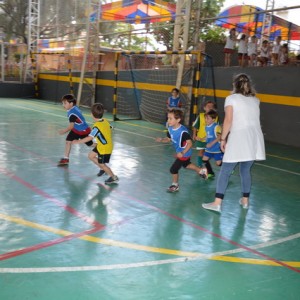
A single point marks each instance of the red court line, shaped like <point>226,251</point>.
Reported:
<point>201,228</point>
<point>49,197</point>
<point>12,254</point>
<point>213,234</point>
<point>43,158</point>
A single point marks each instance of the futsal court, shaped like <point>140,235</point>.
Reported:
<point>67,235</point>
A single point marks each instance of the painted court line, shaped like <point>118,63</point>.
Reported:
<point>52,199</point>
<point>187,255</point>
<point>191,224</point>
<point>277,169</point>
<point>29,249</point>
<point>174,217</point>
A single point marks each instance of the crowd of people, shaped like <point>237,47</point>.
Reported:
<point>238,141</point>
<point>254,52</point>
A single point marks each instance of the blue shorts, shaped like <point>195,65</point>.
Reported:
<point>216,156</point>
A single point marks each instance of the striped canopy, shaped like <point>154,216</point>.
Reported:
<point>254,22</point>
<point>138,11</point>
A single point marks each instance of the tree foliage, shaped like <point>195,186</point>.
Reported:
<point>13,19</point>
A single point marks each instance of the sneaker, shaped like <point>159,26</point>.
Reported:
<point>245,206</point>
<point>173,188</point>
<point>100,173</point>
<point>63,162</point>
<point>203,173</point>
<point>210,206</point>
<point>210,176</point>
<point>110,180</point>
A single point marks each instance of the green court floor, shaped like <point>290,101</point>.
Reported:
<point>66,235</point>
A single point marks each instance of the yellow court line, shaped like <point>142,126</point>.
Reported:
<point>133,246</point>
<point>285,158</point>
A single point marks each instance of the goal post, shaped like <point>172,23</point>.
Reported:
<point>36,64</point>
<point>144,80</point>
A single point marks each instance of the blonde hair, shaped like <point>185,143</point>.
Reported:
<point>242,85</point>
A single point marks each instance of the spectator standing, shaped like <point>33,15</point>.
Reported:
<point>242,50</point>
<point>275,51</point>
<point>252,50</point>
<point>229,46</point>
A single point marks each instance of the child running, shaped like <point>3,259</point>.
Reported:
<point>77,129</point>
<point>174,100</point>
<point>199,134</point>
<point>212,150</point>
<point>101,154</point>
<point>182,143</point>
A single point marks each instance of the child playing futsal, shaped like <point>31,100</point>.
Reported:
<point>212,150</point>
<point>174,100</point>
<point>77,129</point>
<point>182,143</point>
<point>101,154</point>
<point>199,134</point>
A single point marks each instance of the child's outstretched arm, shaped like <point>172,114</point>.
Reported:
<point>163,140</point>
<point>65,130</point>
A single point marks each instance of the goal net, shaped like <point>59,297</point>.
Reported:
<point>144,80</point>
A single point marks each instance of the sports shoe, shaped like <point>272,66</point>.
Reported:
<point>100,173</point>
<point>203,173</point>
<point>245,206</point>
<point>173,188</point>
<point>63,162</point>
<point>210,206</point>
<point>110,180</point>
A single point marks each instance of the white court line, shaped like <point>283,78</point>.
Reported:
<point>277,169</point>
<point>40,111</point>
<point>146,263</point>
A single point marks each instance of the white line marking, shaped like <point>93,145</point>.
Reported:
<point>146,263</point>
<point>40,111</point>
<point>277,169</point>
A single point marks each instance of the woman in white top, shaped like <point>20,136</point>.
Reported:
<point>229,46</point>
<point>241,140</point>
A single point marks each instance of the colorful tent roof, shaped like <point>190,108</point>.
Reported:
<point>254,22</point>
<point>138,11</point>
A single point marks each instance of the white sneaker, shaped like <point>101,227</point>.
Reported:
<point>211,206</point>
<point>245,206</point>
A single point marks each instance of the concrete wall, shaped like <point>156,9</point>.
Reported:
<point>278,89</point>
<point>16,90</point>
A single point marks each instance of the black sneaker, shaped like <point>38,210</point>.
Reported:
<point>100,173</point>
<point>110,180</point>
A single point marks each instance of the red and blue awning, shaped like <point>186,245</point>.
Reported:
<point>247,17</point>
<point>138,11</point>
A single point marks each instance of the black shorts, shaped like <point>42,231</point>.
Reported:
<point>178,164</point>
<point>102,158</point>
<point>75,136</point>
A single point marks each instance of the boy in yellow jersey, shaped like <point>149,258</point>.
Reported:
<point>199,134</point>
<point>101,131</point>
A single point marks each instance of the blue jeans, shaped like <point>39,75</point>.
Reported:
<point>225,173</point>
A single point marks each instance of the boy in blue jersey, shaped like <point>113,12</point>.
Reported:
<point>182,142</point>
<point>101,131</point>
<point>77,129</point>
<point>212,150</point>
<point>174,100</point>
